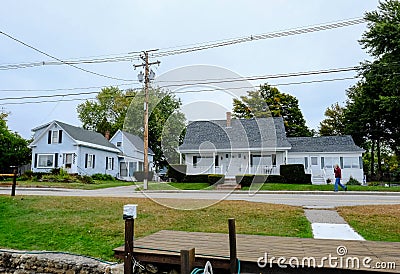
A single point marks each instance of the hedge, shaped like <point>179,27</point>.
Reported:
<point>177,172</point>
<point>139,175</point>
<point>196,178</point>
<point>247,179</point>
<point>216,178</point>
<point>294,174</point>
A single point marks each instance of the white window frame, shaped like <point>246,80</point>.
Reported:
<point>54,136</point>
<point>351,162</point>
<point>110,163</point>
<point>89,163</point>
<point>41,155</point>
<point>66,160</point>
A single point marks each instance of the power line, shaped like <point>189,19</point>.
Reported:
<point>55,58</point>
<point>66,89</point>
<point>185,48</point>
<point>46,101</point>
<point>256,37</point>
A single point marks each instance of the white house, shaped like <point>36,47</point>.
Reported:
<point>259,146</point>
<point>79,151</point>
<point>132,154</point>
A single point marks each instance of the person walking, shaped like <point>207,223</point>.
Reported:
<point>338,176</point>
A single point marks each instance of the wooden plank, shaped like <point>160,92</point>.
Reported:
<point>215,246</point>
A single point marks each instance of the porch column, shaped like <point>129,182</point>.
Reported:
<point>249,162</point>
<point>214,162</point>
<point>180,158</point>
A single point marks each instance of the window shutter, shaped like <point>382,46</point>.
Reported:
<point>112,163</point>
<point>35,163</point>
<point>306,162</point>
<point>341,162</point>
<point>60,136</point>
<point>360,160</point>
<point>106,162</point>
<point>322,162</point>
<point>56,160</point>
<point>86,159</point>
<point>93,160</point>
<point>49,137</point>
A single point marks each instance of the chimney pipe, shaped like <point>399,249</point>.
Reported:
<point>228,119</point>
<point>107,135</point>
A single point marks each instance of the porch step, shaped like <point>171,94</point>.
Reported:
<point>229,186</point>
<point>318,180</point>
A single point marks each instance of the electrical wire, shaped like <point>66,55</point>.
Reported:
<point>228,42</point>
<point>181,49</point>
<point>55,58</point>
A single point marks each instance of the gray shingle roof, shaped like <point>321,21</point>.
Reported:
<point>324,144</point>
<point>243,133</point>
<point>136,141</point>
<point>84,135</point>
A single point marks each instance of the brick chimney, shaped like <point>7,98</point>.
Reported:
<point>107,135</point>
<point>228,119</point>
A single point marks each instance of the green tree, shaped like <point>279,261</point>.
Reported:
<point>116,109</point>
<point>14,150</point>
<point>333,124</point>
<point>267,102</point>
<point>374,102</point>
<point>166,124</point>
<point>107,112</point>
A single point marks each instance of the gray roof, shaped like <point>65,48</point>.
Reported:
<point>136,141</point>
<point>243,133</point>
<point>83,135</point>
<point>324,144</point>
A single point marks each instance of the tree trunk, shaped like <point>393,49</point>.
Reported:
<point>372,158</point>
<point>378,152</point>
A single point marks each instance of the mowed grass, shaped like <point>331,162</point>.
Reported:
<point>374,223</point>
<point>175,186</point>
<point>299,187</point>
<point>94,226</point>
<point>96,185</point>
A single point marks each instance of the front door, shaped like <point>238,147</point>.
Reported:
<point>315,165</point>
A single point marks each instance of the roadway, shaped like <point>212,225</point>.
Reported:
<point>316,199</point>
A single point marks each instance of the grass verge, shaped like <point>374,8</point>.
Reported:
<point>298,187</point>
<point>374,223</point>
<point>94,226</point>
<point>96,185</point>
<point>175,186</point>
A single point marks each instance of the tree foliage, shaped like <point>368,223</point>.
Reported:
<point>116,109</point>
<point>374,102</point>
<point>333,124</point>
<point>267,102</point>
<point>14,150</point>
<point>107,112</point>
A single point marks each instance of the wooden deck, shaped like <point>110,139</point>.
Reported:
<point>164,247</point>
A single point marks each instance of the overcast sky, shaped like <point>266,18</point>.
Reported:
<point>74,29</point>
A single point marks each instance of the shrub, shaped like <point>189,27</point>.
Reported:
<point>244,180</point>
<point>55,171</point>
<point>177,172</point>
<point>276,179</point>
<point>216,178</point>
<point>103,177</point>
<point>294,174</point>
<point>196,178</point>
<point>85,179</point>
<point>353,182</point>
<point>140,175</point>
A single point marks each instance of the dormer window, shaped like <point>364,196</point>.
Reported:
<point>54,137</point>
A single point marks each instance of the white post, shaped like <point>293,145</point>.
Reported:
<point>214,162</point>
<point>249,160</point>
<point>286,159</point>
<point>180,158</point>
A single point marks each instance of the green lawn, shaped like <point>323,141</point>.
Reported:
<point>94,226</point>
<point>175,186</point>
<point>297,187</point>
<point>374,223</point>
<point>95,185</point>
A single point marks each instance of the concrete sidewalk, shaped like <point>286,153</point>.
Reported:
<point>328,224</point>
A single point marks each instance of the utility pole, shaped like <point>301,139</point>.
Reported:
<point>146,65</point>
